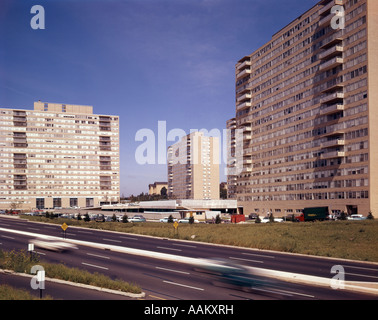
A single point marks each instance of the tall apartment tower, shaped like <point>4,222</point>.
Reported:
<point>58,155</point>
<point>307,104</point>
<point>193,168</point>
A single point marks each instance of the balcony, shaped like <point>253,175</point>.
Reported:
<point>335,108</point>
<point>333,154</point>
<point>327,7</point>
<point>333,40</point>
<point>334,132</point>
<point>244,105</point>
<point>333,143</point>
<point>338,87</point>
<point>244,65</point>
<point>332,97</point>
<point>333,51</point>
<point>244,97</point>
<point>334,62</point>
<point>244,73</point>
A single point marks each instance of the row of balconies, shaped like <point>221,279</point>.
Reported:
<point>327,7</point>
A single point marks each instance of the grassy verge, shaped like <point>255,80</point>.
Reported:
<point>20,261</point>
<point>10,293</point>
<point>357,240</point>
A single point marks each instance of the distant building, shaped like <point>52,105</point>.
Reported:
<point>58,155</point>
<point>193,168</point>
<point>156,187</point>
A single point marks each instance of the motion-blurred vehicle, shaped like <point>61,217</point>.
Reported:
<point>53,245</point>
<point>137,218</point>
<point>235,275</point>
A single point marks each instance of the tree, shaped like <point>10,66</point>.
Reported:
<point>164,193</point>
<point>222,192</point>
<point>79,217</point>
<point>271,218</point>
<point>370,216</point>
<point>114,217</point>
<point>342,216</point>
<point>258,220</point>
<point>125,218</point>
<point>218,219</point>
<point>170,219</point>
<point>191,220</point>
<point>86,217</point>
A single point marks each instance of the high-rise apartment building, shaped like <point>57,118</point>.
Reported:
<point>307,104</point>
<point>58,155</point>
<point>193,168</point>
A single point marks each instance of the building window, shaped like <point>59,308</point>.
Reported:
<point>89,202</point>
<point>63,108</point>
<point>73,202</point>
<point>46,107</point>
<point>57,203</point>
<point>40,203</point>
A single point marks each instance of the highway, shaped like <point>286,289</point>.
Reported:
<point>170,280</point>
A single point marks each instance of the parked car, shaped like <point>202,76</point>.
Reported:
<point>165,220</point>
<point>137,218</point>
<point>266,220</point>
<point>356,217</point>
<point>186,220</point>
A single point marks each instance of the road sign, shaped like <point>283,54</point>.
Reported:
<point>64,226</point>
<point>175,224</point>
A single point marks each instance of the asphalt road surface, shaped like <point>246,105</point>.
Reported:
<point>169,280</point>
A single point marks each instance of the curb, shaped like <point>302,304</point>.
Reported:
<point>80,285</point>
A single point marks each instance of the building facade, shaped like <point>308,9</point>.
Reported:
<point>306,104</point>
<point>193,168</point>
<point>156,188</point>
<point>58,155</point>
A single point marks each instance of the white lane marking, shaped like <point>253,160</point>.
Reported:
<point>129,238</point>
<point>87,232</point>
<point>33,228</point>
<point>169,248</point>
<point>258,255</point>
<point>112,240</point>
<point>183,245</point>
<point>172,270</point>
<point>94,266</point>
<point>362,268</point>
<point>249,260</point>
<point>97,255</point>
<point>8,237</point>
<point>296,293</point>
<point>361,275</point>
<point>183,285</point>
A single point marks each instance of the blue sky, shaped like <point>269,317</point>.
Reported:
<point>144,60</point>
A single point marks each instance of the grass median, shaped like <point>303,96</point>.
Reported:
<point>21,262</point>
<point>356,240</point>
